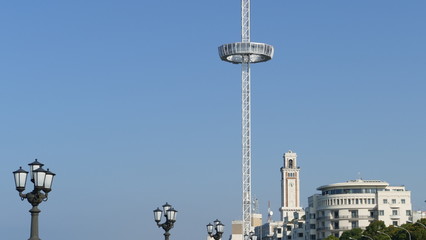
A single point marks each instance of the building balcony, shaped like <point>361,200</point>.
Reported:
<point>323,228</point>
<point>338,229</point>
<point>362,217</point>
<point>340,217</point>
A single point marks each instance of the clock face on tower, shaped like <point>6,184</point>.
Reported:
<point>291,194</point>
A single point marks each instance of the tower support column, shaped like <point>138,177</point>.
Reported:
<point>246,144</point>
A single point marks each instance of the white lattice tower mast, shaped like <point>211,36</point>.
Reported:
<point>246,120</point>
<point>244,53</point>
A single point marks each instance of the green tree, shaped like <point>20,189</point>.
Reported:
<point>331,237</point>
<point>418,232</point>
<point>397,233</point>
<point>353,233</point>
<point>372,230</point>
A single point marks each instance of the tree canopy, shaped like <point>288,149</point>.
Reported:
<point>377,230</point>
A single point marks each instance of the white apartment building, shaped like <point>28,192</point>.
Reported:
<point>354,204</point>
<point>270,231</point>
<point>280,230</point>
<point>417,215</point>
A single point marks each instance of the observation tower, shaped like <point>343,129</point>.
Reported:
<point>245,53</point>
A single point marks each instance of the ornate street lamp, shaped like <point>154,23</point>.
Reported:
<point>409,234</point>
<point>417,223</point>
<point>219,228</point>
<point>42,180</point>
<point>420,224</point>
<point>170,215</point>
<point>385,234</point>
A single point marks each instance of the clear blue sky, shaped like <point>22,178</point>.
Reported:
<point>128,102</point>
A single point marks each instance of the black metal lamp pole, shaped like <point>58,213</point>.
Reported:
<point>169,214</point>
<point>218,226</point>
<point>42,180</point>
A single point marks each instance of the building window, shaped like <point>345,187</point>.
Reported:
<point>288,237</point>
<point>381,212</point>
<point>394,212</point>
<point>313,237</point>
<point>371,213</point>
<point>349,201</point>
<point>278,230</point>
<point>373,201</point>
<point>385,201</point>
<point>356,201</point>
<point>288,228</point>
<point>312,226</point>
<point>408,212</point>
<point>354,213</point>
<point>336,225</point>
<point>393,201</point>
<point>354,224</point>
<point>300,235</point>
<point>395,223</point>
<point>403,201</point>
<point>336,214</point>
<point>290,163</point>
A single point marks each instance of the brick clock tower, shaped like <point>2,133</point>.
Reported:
<point>290,188</point>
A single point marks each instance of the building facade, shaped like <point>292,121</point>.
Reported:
<point>354,204</point>
<point>290,187</point>
<point>418,215</point>
<point>237,226</point>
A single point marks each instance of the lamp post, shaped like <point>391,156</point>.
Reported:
<point>169,214</point>
<point>219,228</point>
<point>250,236</point>
<point>420,224</point>
<point>42,180</point>
<point>409,234</point>
<point>385,234</point>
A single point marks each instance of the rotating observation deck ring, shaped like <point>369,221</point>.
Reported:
<point>235,52</point>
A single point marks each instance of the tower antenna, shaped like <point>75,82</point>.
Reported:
<point>244,53</point>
